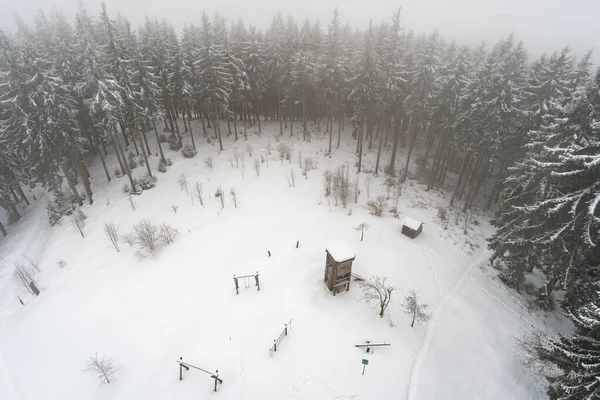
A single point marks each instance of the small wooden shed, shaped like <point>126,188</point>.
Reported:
<point>411,227</point>
<point>338,266</point>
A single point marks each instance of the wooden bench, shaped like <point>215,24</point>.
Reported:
<point>345,281</point>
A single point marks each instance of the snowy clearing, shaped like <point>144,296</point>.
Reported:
<point>146,312</point>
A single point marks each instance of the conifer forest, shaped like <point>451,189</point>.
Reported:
<point>482,143</point>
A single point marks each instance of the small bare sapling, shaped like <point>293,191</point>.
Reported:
<point>220,196</point>
<point>167,234</point>
<point>208,161</point>
<point>356,190</point>
<point>327,177</point>
<point>368,186</point>
<point>182,182</point>
<point>128,238</point>
<point>233,197</point>
<point>78,220</point>
<point>112,233</point>
<point>34,263</point>
<point>257,166</point>
<point>413,308</point>
<point>103,368</point>
<point>198,193</point>
<point>291,179</point>
<point>249,149</point>
<point>376,290</point>
<point>61,263</point>
<point>362,228</point>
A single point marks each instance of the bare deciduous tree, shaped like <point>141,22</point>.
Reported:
<point>78,219</point>
<point>103,368</point>
<point>34,263</point>
<point>174,208</point>
<point>341,185</point>
<point>362,228</point>
<point>198,193</point>
<point>412,307</point>
<point>112,233</point>
<point>182,182</point>
<point>233,197</point>
<point>368,186</point>
<point>167,234</point>
<point>25,278</point>
<point>257,166</point>
<point>376,290</point>
<point>291,179</point>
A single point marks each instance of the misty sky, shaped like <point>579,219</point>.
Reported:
<point>544,25</point>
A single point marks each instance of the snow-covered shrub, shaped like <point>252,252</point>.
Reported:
<point>163,138</point>
<point>131,160</point>
<point>73,198</point>
<point>182,182</point>
<point>126,188</point>
<point>341,185</point>
<point>285,152</point>
<point>118,172</point>
<point>145,182</point>
<point>167,234</point>
<point>61,263</point>
<point>442,213</point>
<point>198,193</point>
<point>174,143</point>
<point>377,206</point>
<point>249,149</point>
<point>78,219</point>
<point>174,208</point>
<point>257,166</point>
<point>188,151</point>
<point>128,238</point>
<point>162,166</point>
<point>169,162</point>
<point>209,162</point>
<point>146,236</point>
<point>233,197</point>
<point>58,207</point>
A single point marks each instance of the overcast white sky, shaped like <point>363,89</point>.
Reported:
<point>544,25</point>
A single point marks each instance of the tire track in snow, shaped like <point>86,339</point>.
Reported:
<point>497,300</point>
<point>413,383</point>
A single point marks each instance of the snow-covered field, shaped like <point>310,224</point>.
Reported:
<point>147,312</point>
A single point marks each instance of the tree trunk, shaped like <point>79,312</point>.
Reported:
<point>378,154</point>
<point>330,131</point>
<point>245,107</point>
<point>203,125</point>
<point>158,143</point>
<point>190,127</point>
<point>22,194</point>
<point>397,129</point>
<point>410,149</point>
<point>135,146</point>
<point>84,175</point>
<point>174,117</point>
<point>304,109</point>
<point>72,186</point>
<point>218,130</point>
<point>146,157</point>
<point>279,111</point>
<point>228,125</point>
<point>291,115</point>
<point>127,170</point>
<point>412,324</point>
<point>3,230</point>
<point>170,119</point>
<point>235,127</point>
<point>146,140</point>
<point>360,146</point>
<point>103,161</point>
<point>461,177</point>
<point>340,123</point>
<point>428,144</point>
<point>122,125</point>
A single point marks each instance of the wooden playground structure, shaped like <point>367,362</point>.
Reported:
<point>187,367</point>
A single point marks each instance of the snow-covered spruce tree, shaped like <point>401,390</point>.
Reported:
<point>576,357</point>
<point>423,86</point>
<point>253,56</point>
<point>40,112</point>
<point>363,91</point>
<point>559,215</point>
<point>274,52</point>
<point>456,77</point>
<point>287,69</point>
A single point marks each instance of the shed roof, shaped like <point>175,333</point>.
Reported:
<point>340,251</point>
<point>412,223</point>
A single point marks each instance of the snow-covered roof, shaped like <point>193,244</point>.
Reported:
<point>340,251</point>
<point>412,223</point>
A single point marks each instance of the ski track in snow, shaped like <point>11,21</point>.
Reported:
<point>239,361</point>
<point>307,378</point>
<point>435,276</point>
<point>413,383</point>
<point>497,300</point>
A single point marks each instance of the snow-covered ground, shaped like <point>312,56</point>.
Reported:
<point>147,312</point>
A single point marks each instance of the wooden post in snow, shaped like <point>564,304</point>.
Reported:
<point>257,282</point>
<point>237,287</point>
